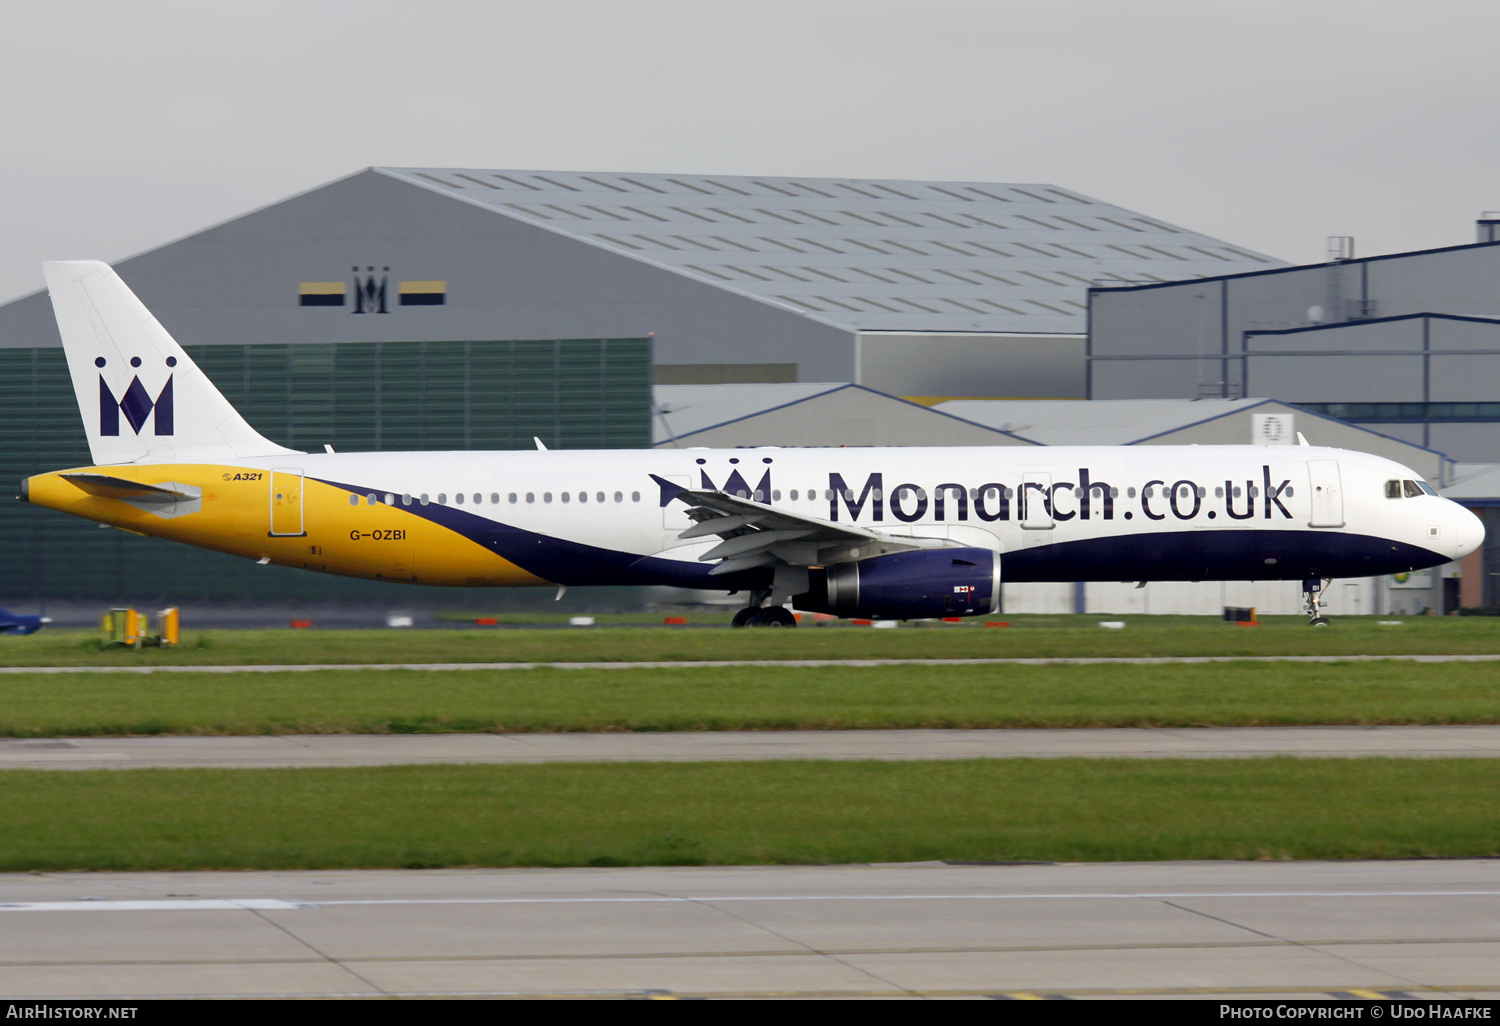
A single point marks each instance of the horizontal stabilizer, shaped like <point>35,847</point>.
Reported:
<point>119,488</point>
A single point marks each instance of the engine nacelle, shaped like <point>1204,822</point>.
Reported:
<point>907,586</point>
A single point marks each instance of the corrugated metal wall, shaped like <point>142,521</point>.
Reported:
<point>573,394</point>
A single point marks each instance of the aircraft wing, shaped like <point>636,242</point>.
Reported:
<point>755,534</point>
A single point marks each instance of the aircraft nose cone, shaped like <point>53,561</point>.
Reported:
<point>1468,533</point>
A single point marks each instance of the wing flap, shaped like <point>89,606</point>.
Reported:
<point>757,535</point>
<point>755,541</point>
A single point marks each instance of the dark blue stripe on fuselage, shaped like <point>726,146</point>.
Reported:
<point>567,562</point>
<point>1226,555</point>
<point>1242,555</point>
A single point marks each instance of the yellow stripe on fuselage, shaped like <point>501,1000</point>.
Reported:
<point>381,542</point>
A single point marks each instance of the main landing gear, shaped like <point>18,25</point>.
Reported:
<point>755,615</point>
<point>1312,591</point>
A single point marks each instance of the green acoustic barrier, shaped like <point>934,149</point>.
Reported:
<point>364,396</point>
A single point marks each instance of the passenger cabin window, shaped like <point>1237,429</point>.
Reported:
<point>458,497</point>
<point>619,497</point>
<point>354,500</point>
<point>495,498</point>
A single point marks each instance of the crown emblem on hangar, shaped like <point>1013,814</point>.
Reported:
<point>368,292</point>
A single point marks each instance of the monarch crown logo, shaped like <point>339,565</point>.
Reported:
<point>136,404</point>
<point>369,292</point>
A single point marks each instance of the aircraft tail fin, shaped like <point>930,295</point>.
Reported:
<point>142,398</point>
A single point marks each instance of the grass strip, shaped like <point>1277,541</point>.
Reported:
<point>748,698</point>
<point>747,813</point>
<point>1028,636</point>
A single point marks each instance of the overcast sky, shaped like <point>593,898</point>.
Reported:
<point>1270,124</point>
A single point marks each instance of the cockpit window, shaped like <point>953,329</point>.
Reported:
<point>1406,489</point>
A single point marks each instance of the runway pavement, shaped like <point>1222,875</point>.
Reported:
<point>1302,929</point>
<point>393,749</point>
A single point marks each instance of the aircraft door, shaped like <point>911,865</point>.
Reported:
<point>1035,502</point>
<point>286,503</point>
<point>1326,492</point>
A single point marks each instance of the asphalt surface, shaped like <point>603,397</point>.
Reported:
<point>397,749</point>
<point>1369,930</point>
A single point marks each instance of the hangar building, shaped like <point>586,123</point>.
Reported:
<point>909,287</point>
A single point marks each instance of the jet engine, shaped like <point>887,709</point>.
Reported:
<point>907,585</point>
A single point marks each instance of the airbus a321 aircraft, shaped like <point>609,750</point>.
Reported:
<point>894,533</point>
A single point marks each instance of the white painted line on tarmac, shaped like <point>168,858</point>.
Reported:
<point>712,663</point>
<point>158,905</point>
<point>279,905</point>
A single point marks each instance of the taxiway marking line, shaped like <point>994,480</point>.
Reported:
<point>277,904</point>
<point>712,663</point>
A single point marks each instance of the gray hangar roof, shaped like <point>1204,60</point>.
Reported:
<point>806,414</point>
<point>862,254</point>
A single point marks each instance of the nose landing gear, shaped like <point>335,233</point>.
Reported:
<point>1312,591</point>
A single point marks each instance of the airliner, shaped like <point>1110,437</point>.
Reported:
<point>875,533</point>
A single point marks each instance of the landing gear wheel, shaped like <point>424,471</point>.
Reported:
<point>775,616</point>
<point>1318,621</point>
<point>746,617</point>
